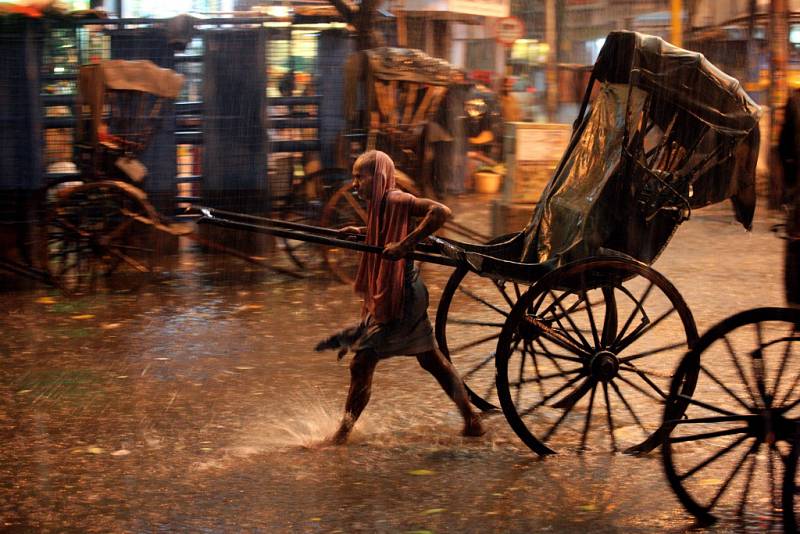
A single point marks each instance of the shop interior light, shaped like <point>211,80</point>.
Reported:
<point>794,34</point>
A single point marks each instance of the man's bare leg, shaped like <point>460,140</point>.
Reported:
<point>440,367</point>
<point>362,368</point>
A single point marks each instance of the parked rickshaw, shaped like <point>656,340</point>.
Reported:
<point>101,222</point>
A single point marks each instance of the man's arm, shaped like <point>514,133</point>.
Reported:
<point>433,216</point>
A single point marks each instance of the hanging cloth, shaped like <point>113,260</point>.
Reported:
<point>380,280</point>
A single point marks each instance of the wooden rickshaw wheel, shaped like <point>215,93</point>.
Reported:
<point>727,447</point>
<point>307,208</point>
<point>97,229</point>
<point>586,355</point>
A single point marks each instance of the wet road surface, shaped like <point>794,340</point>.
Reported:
<point>197,404</point>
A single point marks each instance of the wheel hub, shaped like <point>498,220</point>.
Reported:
<point>772,426</point>
<point>604,365</point>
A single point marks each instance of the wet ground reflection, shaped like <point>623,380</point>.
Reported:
<point>197,404</point>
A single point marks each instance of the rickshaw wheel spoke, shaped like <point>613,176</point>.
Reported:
<point>470,316</point>
<point>577,309</point>
<point>94,230</point>
<point>729,448</point>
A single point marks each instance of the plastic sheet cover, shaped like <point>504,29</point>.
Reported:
<point>665,132</point>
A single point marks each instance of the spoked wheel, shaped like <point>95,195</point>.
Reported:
<point>306,207</point>
<point>585,356</point>
<point>343,209</point>
<point>727,452</point>
<point>303,254</point>
<point>470,316</point>
<point>96,229</point>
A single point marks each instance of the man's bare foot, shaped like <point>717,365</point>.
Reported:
<point>339,438</point>
<point>342,433</point>
<point>474,428</point>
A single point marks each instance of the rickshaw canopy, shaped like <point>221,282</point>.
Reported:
<point>679,78</point>
<point>664,133</point>
<point>138,75</point>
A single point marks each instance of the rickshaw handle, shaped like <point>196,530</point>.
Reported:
<point>311,234</point>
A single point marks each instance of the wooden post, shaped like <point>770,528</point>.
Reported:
<point>753,67</point>
<point>551,73</point>
<point>677,23</point>
<point>778,92</point>
<point>402,30</point>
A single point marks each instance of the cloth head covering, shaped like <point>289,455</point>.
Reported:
<point>380,280</point>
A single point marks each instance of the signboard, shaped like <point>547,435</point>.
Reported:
<point>485,8</point>
<point>509,29</point>
<point>532,158</point>
<point>542,142</point>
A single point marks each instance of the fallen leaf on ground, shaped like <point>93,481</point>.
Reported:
<point>420,472</point>
<point>246,307</point>
<point>432,511</point>
<point>244,367</point>
<point>109,326</point>
<point>45,300</point>
<point>83,317</point>
<point>94,450</point>
<point>121,452</point>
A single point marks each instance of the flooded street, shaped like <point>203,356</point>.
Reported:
<point>197,404</point>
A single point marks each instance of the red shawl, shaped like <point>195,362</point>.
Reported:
<point>380,280</point>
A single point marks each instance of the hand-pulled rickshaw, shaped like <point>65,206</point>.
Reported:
<point>736,452</point>
<point>98,223</point>
<point>101,222</point>
<point>567,327</point>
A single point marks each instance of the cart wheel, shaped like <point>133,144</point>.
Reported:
<point>303,254</point>
<point>96,229</point>
<point>307,209</point>
<point>728,450</point>
<point>343,209</point>
<point>469,318</point>
<point>590,345</point>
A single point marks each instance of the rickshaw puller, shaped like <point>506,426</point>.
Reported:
<point>394,316</point>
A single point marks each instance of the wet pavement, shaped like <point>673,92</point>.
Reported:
<point>196,404</point>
